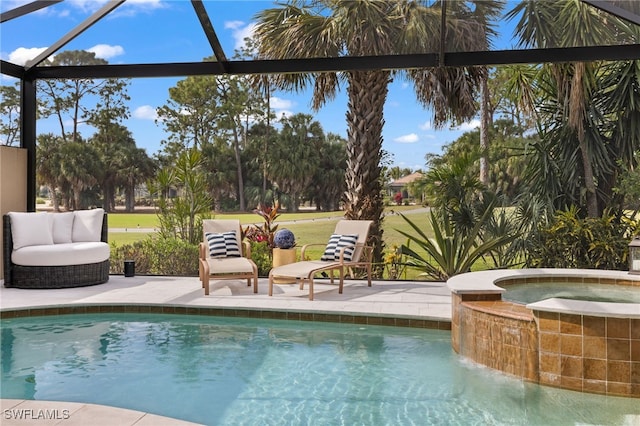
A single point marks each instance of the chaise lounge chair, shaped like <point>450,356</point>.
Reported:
<point>223,255</point>
<point>346,250</point>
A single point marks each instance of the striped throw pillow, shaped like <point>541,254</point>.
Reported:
<point>223,245</point>
<point>336,243</point>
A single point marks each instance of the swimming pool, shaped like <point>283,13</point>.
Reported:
<point>593,292</point>
<point>228,371</point>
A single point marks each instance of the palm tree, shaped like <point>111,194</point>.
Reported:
<point>331,28</point>
<point>570,100</point>
<point>137,167</point>
<point>294,157</point>
<point>48,163</point>
<point>79,162</point>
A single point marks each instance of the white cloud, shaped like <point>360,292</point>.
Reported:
<point>22,55</point>
<point>88,5</point>
<point>239,31</point>
<point>151,4</point>
<point>279,103</point>
<point>233,25</point>
<point>12,4</point>
<point>470,125</point>
<point>410,138</point>
<point>93,5</point>
<point>106,51</point>
<point>425,126</point>
<point>145,112</point>
<point>282,108</point>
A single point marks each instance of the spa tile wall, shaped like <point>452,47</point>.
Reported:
<point>591,354</point>
<point>493,334</point>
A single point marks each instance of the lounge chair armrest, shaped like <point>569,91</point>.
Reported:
<point>246,249</point>
<point>202,248</point>
<point>304,248</point>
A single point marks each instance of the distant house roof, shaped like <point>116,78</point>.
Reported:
<point>405,180</point>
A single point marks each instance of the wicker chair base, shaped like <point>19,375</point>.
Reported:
<point>40,277</point>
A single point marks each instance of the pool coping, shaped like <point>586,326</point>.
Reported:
<point>389,303</point>
<point>33,412</point>
<point>293,315</point>
<point>485,282</point>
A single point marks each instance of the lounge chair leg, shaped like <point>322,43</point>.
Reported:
<point>341,280</point>
<point>369,274</point>
<point>311,288</point>
<point>270,285</point>
<point>255,283</point>
<point>301,283</point>
<point>205,276</point>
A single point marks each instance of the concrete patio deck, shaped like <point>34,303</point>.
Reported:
<point>400,303</point>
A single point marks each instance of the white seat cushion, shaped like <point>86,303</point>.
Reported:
<point>87,225</point>
<point>30,229</point>
<point>61,254</point>
<point>62,227</point>
<point>302,269</point>
<point>229,265</point>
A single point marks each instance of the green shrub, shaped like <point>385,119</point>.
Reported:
<point>592,243</point>
<point>261,255</point>
<point>157,256</point>
<point>451,251</point>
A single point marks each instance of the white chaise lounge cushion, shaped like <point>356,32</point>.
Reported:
<point>30,229</point>
<point>62,227</point>
<point>61,254</point>
<point>230,265</point>
<point>87,225</point>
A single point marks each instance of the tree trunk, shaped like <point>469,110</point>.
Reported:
<point>236,150</point>
<point>592,196</point>
<point>266,145</point>
<point>54,198</point>
<point>367,91</point>
<point>107,194</point>
<point>76,198</point>
<point>485,124</point>
<point>130,197</point>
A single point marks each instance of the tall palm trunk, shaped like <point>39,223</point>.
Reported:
<point>485,123</point>
<point>265,147</point>
<point>367,92</point>
<point>55,201</point>
<point>578,97</point>
<point>236,151</point>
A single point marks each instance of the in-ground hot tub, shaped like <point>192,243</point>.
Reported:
<point>583,345</point>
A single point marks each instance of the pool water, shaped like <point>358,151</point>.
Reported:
<point>535,292</point>
<point>230,371</point>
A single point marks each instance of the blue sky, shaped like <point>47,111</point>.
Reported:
<point>146,31</point>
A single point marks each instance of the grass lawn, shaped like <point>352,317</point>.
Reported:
<point>308,227</point>
<point>150,220</point>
